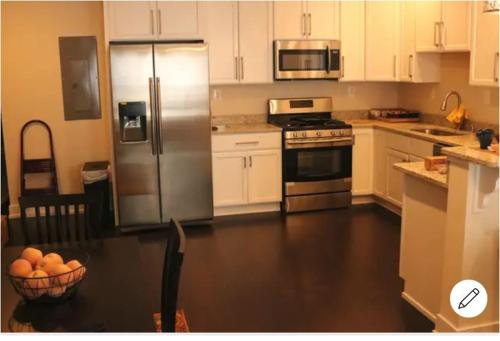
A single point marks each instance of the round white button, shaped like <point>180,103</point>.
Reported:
<point>468,298</point>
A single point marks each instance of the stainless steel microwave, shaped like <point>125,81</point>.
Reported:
<point>306,59</point>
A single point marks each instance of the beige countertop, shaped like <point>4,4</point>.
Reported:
<point>417,169</point>
<point>474,154</point>
<point>245,128</point>
<point>465,145</point>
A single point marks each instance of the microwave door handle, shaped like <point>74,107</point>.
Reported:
<point>328,60</point>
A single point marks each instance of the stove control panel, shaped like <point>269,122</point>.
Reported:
<point>324,133</point>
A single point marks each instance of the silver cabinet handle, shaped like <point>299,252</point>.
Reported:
<point>441,29</point>
<point>250,159</point>
<point>245,162</point>
<point>436,28</point>
<point>152,21</point>
<point>342,67</point>
<point>247,142</point>
<point>159,21</point>
<point>153,116</point>
<point>242,73</point>
<point>158,115</point>
<point>309,24</point>
<point>394,66</point>
<point>495,68</point>
<point>410,66</point>
<point>236,69</point>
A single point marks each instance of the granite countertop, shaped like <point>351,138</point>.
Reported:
<point>465,145</point>
<point>474,154</point>
<point>245,128</point>
<point>417,169</point>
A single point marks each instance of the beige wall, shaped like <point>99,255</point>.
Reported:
<point>31,88</point>
<point>252,99</point>
<point>481,102</point>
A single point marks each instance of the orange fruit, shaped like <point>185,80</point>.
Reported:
<point>48,261</point>
<point>20,268</point>
<point>36,284</point>
<point>32,255</point>
<point>62,275</point>
<point>78,269</point>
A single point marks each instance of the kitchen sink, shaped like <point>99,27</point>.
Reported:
<point>437,132</point>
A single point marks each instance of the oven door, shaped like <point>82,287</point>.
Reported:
<point>306,59</point>
<point>318,164</point>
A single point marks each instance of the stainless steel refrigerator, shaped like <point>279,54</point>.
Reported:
<point>162,132</point>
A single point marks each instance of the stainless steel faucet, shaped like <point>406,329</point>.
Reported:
<point>445,101</point>
<point>459,102</point>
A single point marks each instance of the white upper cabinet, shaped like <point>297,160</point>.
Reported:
<point>255,41</point>
<point>382,40</point>
<point>289,20</point>
<point>150,20</point>
<point>323,19</point>
<point>415,67</point>
<point>352,40</point>
<point>442,26</point>
<point>177,20</point>
<point>130,20</point>
<point>306,19</point>
<point>484,51</point>
<point>219,27</point>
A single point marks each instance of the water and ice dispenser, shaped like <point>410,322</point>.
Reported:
<point>132,121</point>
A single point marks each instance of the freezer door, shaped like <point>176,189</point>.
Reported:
<point>181,72</point>
<point>136,160</point>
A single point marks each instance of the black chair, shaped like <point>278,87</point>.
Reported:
<point>63,220</point>
<point>174,255</point>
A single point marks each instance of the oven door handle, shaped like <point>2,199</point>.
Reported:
<point>328,62</point>
<point>311,143</point>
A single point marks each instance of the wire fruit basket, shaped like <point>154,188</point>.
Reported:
<point>52,288</point>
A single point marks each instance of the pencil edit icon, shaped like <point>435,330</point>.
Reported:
<point>469,298</point>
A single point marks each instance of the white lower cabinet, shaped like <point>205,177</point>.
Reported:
<point>362,161</point>
<point>379,163</point>
<point>246,172</point>
<point>229,178</point>
<point>394,177</point>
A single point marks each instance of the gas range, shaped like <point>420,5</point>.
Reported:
<point>317,154</point>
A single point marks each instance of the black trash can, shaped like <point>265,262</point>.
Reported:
<point>96,181</point>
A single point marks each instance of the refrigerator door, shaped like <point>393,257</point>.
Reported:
<point>136,159</point>
<point>185,154</point>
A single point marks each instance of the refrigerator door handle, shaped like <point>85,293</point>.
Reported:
<point>153,116</point>
<point>158,115</point>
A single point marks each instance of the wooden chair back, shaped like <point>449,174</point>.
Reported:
<point>174,255</point>
<point>69,217</point>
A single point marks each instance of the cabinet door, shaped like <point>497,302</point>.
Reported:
<point>264,176</point>
<point>177,20</point>
<point>395,177</point>
<point>379,163</point>
<point>322,19</point>
<point>362,162</point>
<point>428,19</point>
<point>456,17</point>
<point>484,52</point>
<point>352,37</point>
<point>219,28</point>
<point>131,20</point>
<point>382,45</point>
<point>289,20</point>
<point>255,41</point>
<point>229,178</point>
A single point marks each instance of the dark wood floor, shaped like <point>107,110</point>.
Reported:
<point>329,271</point>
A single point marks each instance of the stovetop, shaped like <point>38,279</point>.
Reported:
<point>302,122</point>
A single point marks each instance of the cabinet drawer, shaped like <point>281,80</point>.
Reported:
<point>420,148</point>
<point>235,142</point>
<point>397,142</point>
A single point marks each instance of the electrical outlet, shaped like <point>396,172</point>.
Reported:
<point>217,94</point>
<point>351,91</point>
